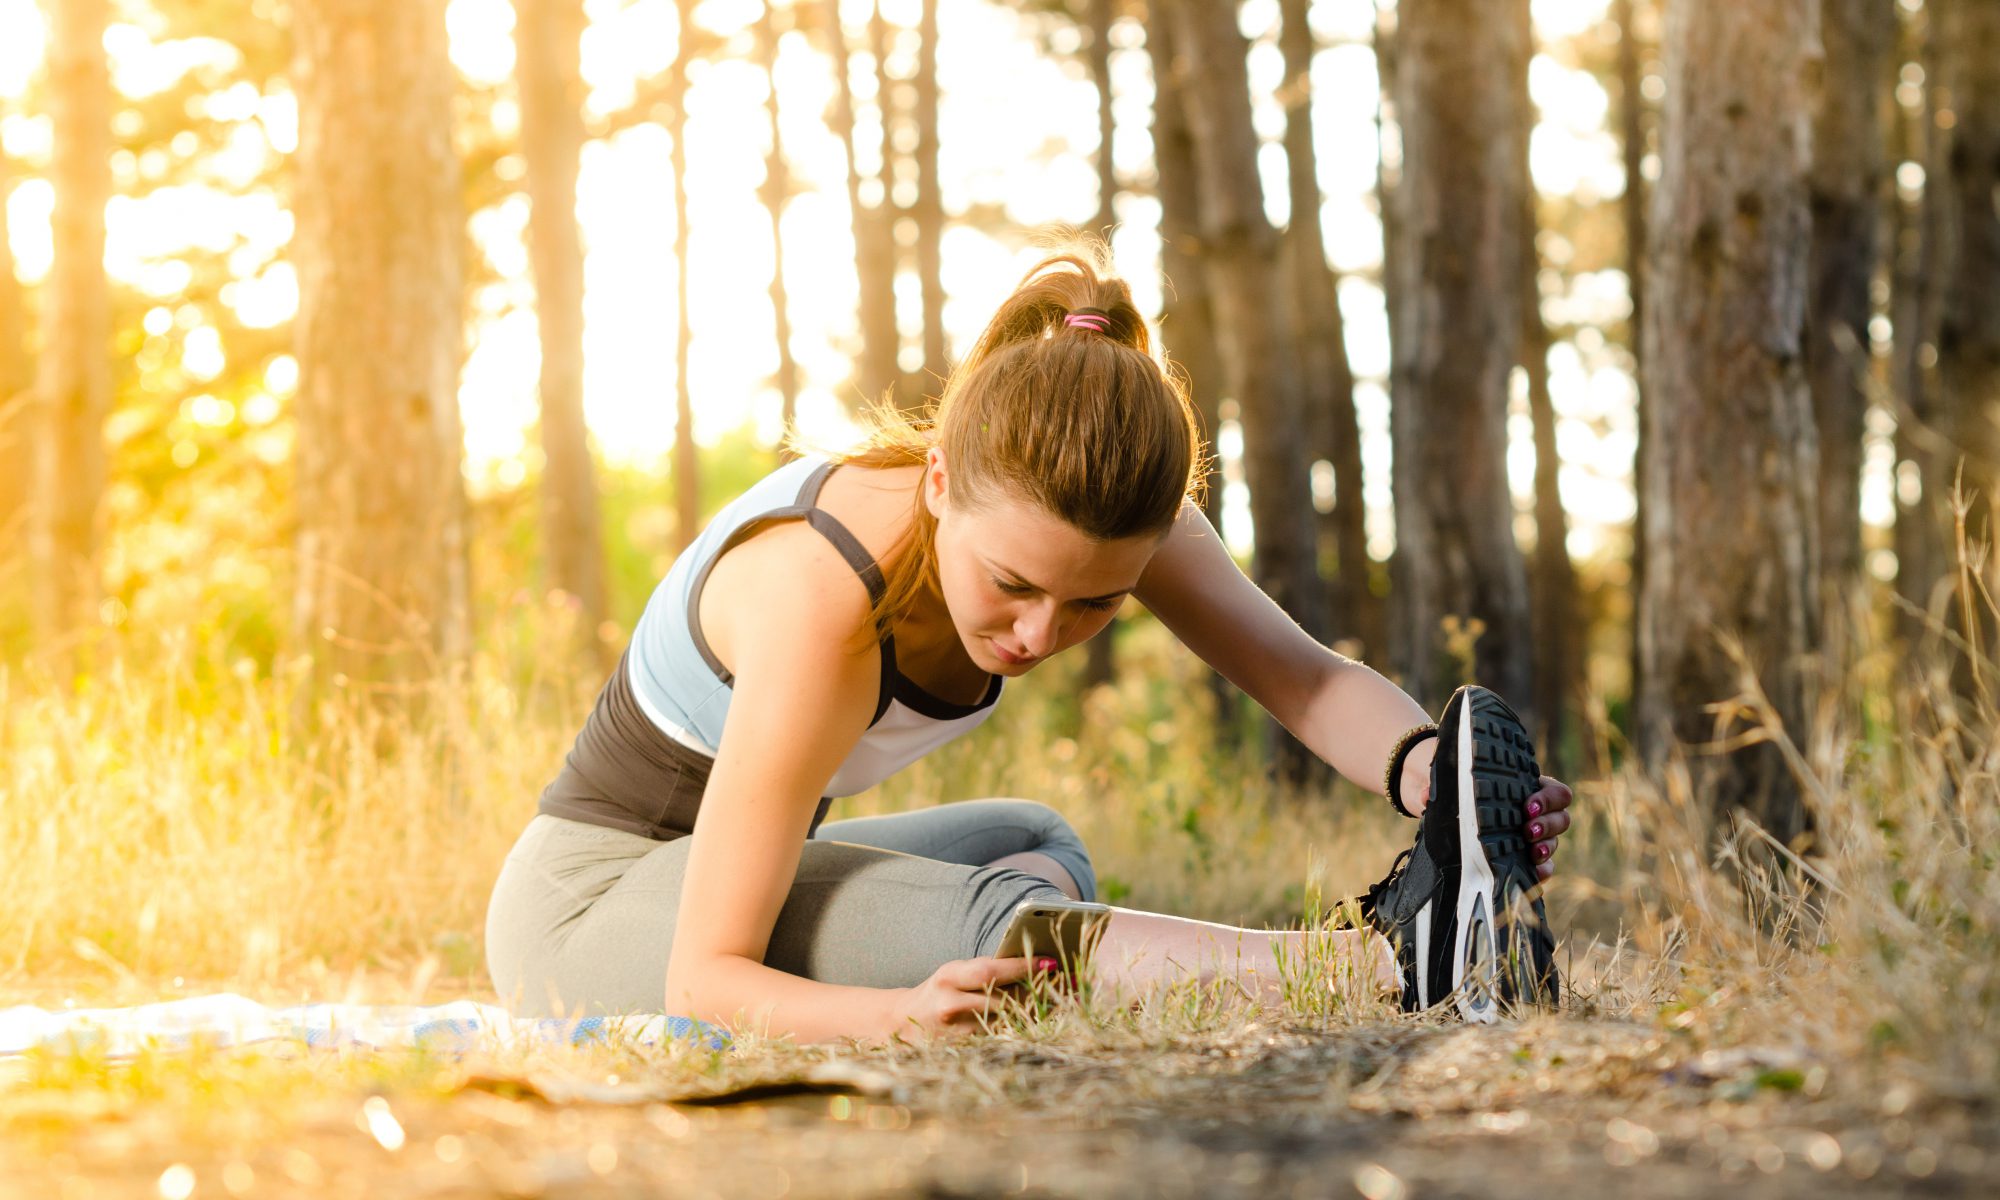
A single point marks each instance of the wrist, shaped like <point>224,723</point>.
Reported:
<point>1411,756</point>
<point>1415,785</point>
<point>890,1018</point>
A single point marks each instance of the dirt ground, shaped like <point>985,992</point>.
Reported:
<point>1554,1106</point>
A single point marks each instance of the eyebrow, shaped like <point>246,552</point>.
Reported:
<point>1018,578</point>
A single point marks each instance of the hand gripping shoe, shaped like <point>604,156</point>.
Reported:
<point>1460,905</point>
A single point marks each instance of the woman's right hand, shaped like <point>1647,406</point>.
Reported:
<point>951,1002</point>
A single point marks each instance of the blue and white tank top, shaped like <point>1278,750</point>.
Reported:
<point>685,691</point>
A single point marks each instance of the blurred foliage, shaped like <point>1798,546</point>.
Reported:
<point>199,497</point>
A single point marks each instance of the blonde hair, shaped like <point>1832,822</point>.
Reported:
<point>1078,418</point>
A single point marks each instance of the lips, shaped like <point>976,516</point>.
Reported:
<point>1012,660</point>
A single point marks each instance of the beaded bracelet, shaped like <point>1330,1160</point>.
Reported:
<point>1404,745</point>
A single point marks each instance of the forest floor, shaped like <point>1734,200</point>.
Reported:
<point>1234,1102</point>
<point>1737,1019</point>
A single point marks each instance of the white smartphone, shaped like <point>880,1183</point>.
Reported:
<point>1062,929</point>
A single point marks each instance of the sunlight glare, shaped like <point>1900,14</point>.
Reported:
<point>23,34</point>
<point>482,39</point>
<point>29,234</point>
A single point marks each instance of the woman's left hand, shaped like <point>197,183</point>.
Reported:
<point>1548,819</point>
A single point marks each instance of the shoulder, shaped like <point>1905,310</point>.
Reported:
<point>785,582</point>
<point>875,504</point>
<point>1189,558</point>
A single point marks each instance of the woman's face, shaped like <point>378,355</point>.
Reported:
<point>1021,584</point>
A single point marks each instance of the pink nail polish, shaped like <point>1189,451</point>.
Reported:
<point>1535,831</point>
<point>1534,808</point>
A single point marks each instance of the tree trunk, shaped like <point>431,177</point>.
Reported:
<point>778,192</point>
<point>1101,663</point>
<point>1327,391</point>
<point>1259,354</point>
<point>1632,146</point>
<point>877,259</point>
<point>1731,506</point>
<point>1846,187</point>
<point>1187,324</point>
<point>383,591</point>
<point>874,371</point>
<point>1558,647</point>
<point>74,386</point>
<point>687,483</point>
<point>16,400</point>
<point>1240,252</point>
<point>1968,329</point>
<point>1922,433</point>
<point>1396,623</point>
<point>547,34</point>
<point>1459,208</point>
<point>929,210</point>
<point>1099,49</point>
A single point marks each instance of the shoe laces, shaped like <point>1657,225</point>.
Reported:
<point>1388,884</point>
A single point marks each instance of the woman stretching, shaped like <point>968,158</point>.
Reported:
<point>847,615</point>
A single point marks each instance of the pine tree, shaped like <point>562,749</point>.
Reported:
<point>74,382</point>
<point>1459,207</point>
<point>382,588</point>
<point>1731,504</point>
<point>547,36</point>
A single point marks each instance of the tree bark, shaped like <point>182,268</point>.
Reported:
<point>877,260</point>
<point>687,483</point>
<point>547,35</point>
<point>1396,623</point>
<point>1922,430</point>
<point>1632,147</point>
<point>928,211</point>
<point>1259,354</point>
<point>383,592</point>
<point>16,404</point>
<point>1187,324</point>
<point>1558,647</point>
<point>1731,506</point>
<point>1847,179</point>
<point>874,372</point>
<point>74,384</point>
<point>777,193</point>
<point>1327,381</point>
<point>1459,208</point>
<point>1101,664</point>
<point>1968,329</point>
<point>1240,253</point>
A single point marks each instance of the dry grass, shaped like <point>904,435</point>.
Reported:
<point>163,822</point>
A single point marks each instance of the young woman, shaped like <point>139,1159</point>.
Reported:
<point>847,615</point>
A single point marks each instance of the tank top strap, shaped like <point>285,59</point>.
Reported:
<point>805,508</point>
<point>843,539</point>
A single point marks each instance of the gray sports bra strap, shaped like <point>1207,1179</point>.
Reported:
<point>843,540</point>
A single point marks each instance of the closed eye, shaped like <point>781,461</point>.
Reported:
<point>1021,589</point>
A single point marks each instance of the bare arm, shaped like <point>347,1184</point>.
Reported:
<point>1343,710</point>
<point>801,703</point>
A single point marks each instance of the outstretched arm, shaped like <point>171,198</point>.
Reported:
<point>1342,710</point>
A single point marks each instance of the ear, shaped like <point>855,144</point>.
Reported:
<point>935,484</point>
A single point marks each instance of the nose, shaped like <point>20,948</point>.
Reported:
<point>1036,629</point>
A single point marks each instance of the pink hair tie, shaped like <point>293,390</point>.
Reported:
<point>1089,318</point>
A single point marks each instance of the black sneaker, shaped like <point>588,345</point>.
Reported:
<point>1460,905</point>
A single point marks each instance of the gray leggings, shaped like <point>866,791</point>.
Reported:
<point>582,917</point>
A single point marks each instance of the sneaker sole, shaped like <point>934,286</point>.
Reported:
<point>1501,952</point>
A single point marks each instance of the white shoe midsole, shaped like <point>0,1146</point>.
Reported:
<point>1475,884</point>
<point>1424,956</point>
